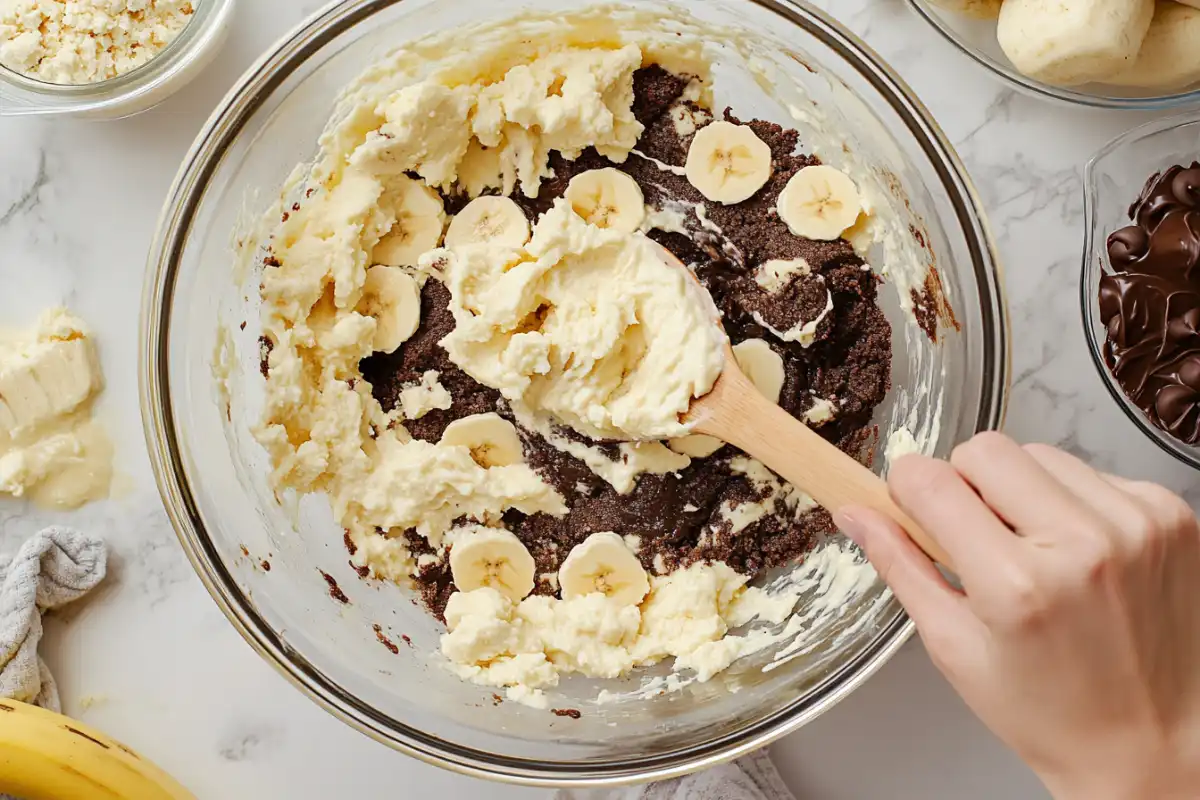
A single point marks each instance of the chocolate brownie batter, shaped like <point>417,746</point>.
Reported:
<point>1150,303</point>
<point>389,373</point>
<point>678,517</point>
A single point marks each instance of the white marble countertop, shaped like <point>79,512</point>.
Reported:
<point>78,205</point>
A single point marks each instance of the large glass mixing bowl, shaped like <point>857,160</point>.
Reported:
<point>789,61</point>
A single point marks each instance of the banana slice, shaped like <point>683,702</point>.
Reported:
<point>493,557</point>
<point>696,445</point>
<point>820,203</point>
<point>764,367</point>
<point>728,163</point>
<point>419,222</point>
<point>607,198</point>
<point>491,220</point>
<point>603,563</point>
<point>492,440</point>
<point>392,297</point>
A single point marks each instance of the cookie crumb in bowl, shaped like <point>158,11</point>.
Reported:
<point>384,640</point>
<point>531,562</point>
<point>335,591</point>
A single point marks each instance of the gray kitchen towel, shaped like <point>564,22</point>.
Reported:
<point>751,778</point>
<point>54,568</point>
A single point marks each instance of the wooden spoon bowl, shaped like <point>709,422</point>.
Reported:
<point>737,413</point>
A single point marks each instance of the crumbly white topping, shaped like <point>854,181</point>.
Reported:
<point>86,41</point>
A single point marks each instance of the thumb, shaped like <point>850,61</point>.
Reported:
<point>913,578</point>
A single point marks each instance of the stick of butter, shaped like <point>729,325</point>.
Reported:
<point>49,448</point>
<point>44,380</point>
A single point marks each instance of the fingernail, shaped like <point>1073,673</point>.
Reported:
<point>851,526</point>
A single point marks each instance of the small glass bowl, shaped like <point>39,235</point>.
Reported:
<point>134,92</point>
<point>977,39</point>
<point>1113,179</point>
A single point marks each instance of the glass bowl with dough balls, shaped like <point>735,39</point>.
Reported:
<point>415,369</point>
<point>1130,54</point>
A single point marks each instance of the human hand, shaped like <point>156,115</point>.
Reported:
<point>1076,635</point>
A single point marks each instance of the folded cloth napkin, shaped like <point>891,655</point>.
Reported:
<point>751,778</point>
<point>54,568</point>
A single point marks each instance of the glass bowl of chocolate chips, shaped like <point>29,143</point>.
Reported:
<point>1141,278</point>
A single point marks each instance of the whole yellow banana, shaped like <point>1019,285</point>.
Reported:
<point>46,756</point>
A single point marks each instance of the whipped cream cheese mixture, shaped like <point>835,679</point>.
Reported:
<point>473,347</point>
<point>585,323</point>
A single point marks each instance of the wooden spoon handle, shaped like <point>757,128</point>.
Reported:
<point>749,421</point>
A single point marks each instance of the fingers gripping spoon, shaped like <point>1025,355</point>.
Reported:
<point>737,413</point>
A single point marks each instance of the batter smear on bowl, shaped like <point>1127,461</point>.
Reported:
<point>473,350</point>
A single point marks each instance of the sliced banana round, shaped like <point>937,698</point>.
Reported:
<point>607,198</point>
<point>728,163</point>
<point>603,563</point>
<point>495,558</point>
<point>393,298</point>
<point>696,445</point>
<point>418,227</point>
<point>762,365</point>
<point>820,203</point>
<point>492,440</point>
<point>489,220</point>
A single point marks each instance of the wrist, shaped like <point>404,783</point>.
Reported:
<point>1161,779</point>
<point>1136,790</point>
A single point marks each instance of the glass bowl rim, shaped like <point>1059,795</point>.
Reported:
<point>202,161</point>
<point>1045,91</point>
<point>1094,263</point>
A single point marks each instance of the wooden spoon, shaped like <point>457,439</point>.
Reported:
<point>737,413</point>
